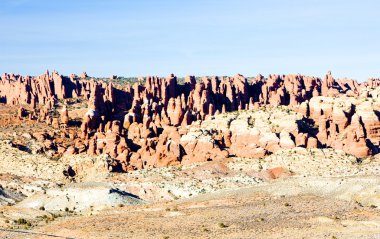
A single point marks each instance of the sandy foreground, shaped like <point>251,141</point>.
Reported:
<point>275,210</point>
<point>325,194</point>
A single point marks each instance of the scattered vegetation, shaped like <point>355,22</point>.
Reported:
<point>222,225</point>
<point>23,221</point>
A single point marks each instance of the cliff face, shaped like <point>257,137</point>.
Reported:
<point>158,123</point>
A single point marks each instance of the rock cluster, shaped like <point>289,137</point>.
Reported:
<point>164,122</point>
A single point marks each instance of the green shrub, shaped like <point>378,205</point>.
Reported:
<point>222,225</point>
<point>21,221</point>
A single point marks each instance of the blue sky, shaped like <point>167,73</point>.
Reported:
<point>209,37</point>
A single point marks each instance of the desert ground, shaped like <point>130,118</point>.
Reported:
<point>214,157</point>
<point>335,198</point>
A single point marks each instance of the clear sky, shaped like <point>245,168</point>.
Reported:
<point>198,37</point>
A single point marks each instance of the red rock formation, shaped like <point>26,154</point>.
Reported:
<point>355,143</point>
<point>64,116</point>
<point>147,125</point>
